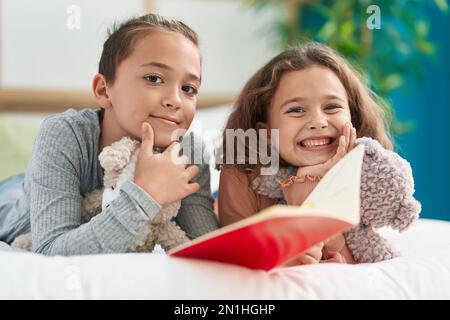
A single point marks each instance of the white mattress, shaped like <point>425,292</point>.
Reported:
<point>423,272</point>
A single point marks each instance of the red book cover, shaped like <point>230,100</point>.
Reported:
<point>279,233</point>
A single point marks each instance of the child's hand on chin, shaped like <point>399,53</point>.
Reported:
<point>346,143</point>
<point>164,176</point>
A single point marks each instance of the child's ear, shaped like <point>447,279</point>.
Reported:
<point>99,86</point>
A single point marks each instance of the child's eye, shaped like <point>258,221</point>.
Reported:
<point>190,90</point>
<point>153,78</point>
<point>332,107</point>
<point>295,110</point>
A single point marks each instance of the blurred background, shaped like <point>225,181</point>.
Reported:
<point>49,52</point>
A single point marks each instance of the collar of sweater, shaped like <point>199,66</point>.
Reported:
<point>268,185</point>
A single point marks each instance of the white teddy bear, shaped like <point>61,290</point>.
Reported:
<point>119,161</point>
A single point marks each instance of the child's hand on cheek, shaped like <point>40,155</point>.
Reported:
<point>346,143</point>
<point>164,176</point>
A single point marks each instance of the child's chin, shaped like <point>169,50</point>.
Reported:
<point>312,160</point>
<point>163,143</point>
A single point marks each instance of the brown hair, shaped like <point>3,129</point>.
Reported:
<point>122,38</point>
<point>367,110</point>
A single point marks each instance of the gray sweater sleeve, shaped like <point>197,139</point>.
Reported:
<point>196,215</point>
<point>54,179</point>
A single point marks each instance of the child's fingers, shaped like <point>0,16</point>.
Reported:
<point>352,139</point>
<point>147,137</point>
<point>304,259</point>
<point>192,171</point>
<point>347,135</point>
<point>300,260</point>
<point>342,148</point>
<point>184,159</point>
<point>331,260</point>
<point>334,257</point>
<point>173,148</point>
<point>191,188</point>
<point>340,152</point>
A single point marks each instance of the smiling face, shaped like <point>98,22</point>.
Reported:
<point>157,83</point>
<point>309,108</point>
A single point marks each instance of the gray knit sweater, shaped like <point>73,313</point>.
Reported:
<point>64,167</point>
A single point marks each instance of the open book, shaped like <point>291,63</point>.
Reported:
<point>279,233</point>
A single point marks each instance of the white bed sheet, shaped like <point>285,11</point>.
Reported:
<point>422,272</point>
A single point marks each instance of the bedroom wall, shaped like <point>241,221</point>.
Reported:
<point>41,46</point>
<point>426,103</point>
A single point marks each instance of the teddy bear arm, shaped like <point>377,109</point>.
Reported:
<point>169,235</point>
<point>387,188</point>
<point>367,246</point>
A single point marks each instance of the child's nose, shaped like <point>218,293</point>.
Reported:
<point>318,120</point>
<point>172,99</point>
